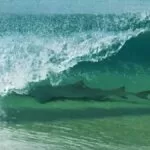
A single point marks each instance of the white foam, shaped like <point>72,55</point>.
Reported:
<point>28,57</point>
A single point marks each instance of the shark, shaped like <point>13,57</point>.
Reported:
<point>80,91</point>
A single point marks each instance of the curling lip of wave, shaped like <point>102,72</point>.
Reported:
<point>29,59</point>
<point>27,56</point>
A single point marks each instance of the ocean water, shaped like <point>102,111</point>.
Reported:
<point>104,49</point>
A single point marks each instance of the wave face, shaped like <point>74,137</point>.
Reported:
<point>40,47</point>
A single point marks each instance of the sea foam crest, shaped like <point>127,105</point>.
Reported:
<point>30,58</point>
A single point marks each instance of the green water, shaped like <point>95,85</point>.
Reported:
<point>76,125</point>
<point>122,124</point>
<point>73,125</point>
<point>105,50</point>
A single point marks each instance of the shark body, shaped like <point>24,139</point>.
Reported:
<point>79,91</point>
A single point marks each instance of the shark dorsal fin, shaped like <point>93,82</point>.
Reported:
<point>79,84</point>
<point>143,94</point>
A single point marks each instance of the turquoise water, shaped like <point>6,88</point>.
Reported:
<point>105,50</point>
<point>76,125</point>
<point>119,124</point>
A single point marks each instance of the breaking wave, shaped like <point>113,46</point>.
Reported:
<point>39,47</point>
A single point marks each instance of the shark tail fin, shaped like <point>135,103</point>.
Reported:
<point>121,92</point>
<point>143,94</point>
<point>121,89</point>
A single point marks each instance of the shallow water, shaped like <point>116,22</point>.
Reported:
<point>89,125</point>
<point>116,124</point>
<point>105,44</point>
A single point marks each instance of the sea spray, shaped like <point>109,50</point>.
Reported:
<point>34,48</point>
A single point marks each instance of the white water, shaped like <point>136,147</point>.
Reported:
<point>28,57</point>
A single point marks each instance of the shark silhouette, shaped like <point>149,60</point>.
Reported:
<point>79,91</point>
